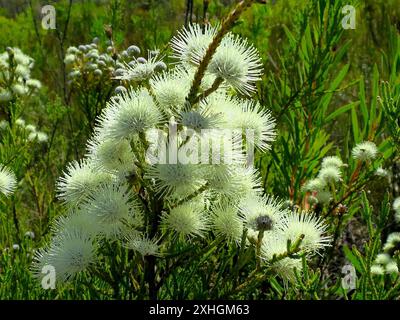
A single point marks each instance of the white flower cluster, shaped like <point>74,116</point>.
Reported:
<point>111,191</point>
<point>88,62</point>
<point>30,131</point>
<point>329,174</point>
<point>15,75</point>
<point>384,262</point>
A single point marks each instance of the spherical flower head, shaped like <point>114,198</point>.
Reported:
<point>226,222</point>
<point>114,156</point>
<point>171,88</point>
<point>22,58</point>
<point>70,253</point>
<point>365,151</point>
<point>130,113</point>
<point>391,267</point>
<point>8,181</point>
<point>383,258</point>
<point>30,128</point>
<point>190,44</point>
<point>39,136</point>
<point>381,172</point>
<point>175,173</point>
<point>203,119</point>
<point>72,50</point>
<point>176,180</point>
<point>261,213</point>
<point>76,221</point>
<point>238,183</point>
<point>20,122</point>
<point>238,63</point>
<point>257,124</point>
<point>392,241</point>
<point>3,124</point>
<point>19,89</point>
<point>309,225</point>
<point>229,107</point>
<point>331,161</point>
<point>42,137</point>
<point>186,220</point>
<point>79,181</point>
<point>110,206</point>
<point>274,245</point>
<point>377,269</point>
<point>22,71</point>
<point>132,50</point>
<point>142,244</point>
<point>330,174</point>
<point>69,59</point>
<point>34,84</point>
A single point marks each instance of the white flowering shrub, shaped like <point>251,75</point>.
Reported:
<point>15,79</point>
<point>168,165</point>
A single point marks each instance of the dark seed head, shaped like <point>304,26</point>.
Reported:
<point>264,223</point>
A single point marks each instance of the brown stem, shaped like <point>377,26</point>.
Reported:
<point>225,27</point>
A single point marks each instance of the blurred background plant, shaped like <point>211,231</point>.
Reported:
<point>330,89</point>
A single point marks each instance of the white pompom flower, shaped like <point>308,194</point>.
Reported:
<point>365,151</point>
<point>76,221</point>
<point>8,181</point>
<point>226,222</point>
<point>79,181</point>
<point>377,270</point>
<point>262,213</point>
<point>234,183</point>
<point>238,63</point>
<point>313,228</point>
<point>257,123</point>
<point>70,253</point>
<point>191,43</point>
<point>330,174</point>
<point>176,180</point>
<point>110,207</point>
<point>187,220</point>
<point>391,267</point>
<point>202,119</point>
<point>114,156</point>
<point>170,89</point>
<point>331,161</point>
<point>128,114</point>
